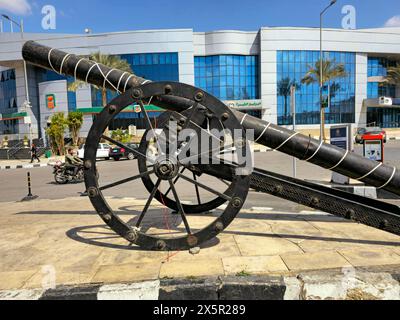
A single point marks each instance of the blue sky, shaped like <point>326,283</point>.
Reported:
<point>73,16</point>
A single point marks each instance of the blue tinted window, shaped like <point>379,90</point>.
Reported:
<point>292,66</point>
<point>8,101</point>
<point>377,66</point>
<point>151,66</point>
<point>228,77</point>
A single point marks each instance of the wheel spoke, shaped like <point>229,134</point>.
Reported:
<point>146,116</point>
<point>197,189</point>
<point>175,181</point>
<point>121,145</point>
<point>147,206</point>
<point>224,196</point>
<point>180,207</point>
<point>112,185</point>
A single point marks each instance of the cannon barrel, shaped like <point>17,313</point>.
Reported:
<point>268,134</point>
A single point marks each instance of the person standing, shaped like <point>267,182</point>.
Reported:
<point>34,153</point>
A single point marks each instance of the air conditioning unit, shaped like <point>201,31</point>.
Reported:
<point>385,101</point>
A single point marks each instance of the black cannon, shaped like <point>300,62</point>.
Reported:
<point>191,110</point>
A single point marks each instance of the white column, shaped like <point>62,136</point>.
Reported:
<point>268,80</point>
<point>361,89</point>
<point>34,112</point>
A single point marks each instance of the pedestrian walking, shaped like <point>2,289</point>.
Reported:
<point>34,153</point>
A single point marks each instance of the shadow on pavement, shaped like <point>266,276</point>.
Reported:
<point>103,238</point>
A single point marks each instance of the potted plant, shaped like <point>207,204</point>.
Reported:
<point>5,142</point>
<point>26,141</point>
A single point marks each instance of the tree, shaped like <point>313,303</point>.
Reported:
<point>284,89</point>
<point>56,132</point>
<point>111,61</point>
<point>393,75</point>
<point>75,122</point>
<point>121,136</point>
<point>330,71</point>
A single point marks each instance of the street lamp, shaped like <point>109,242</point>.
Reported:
<point>27,103</point>
<point>322,132</point>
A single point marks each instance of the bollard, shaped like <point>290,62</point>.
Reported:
<point>30,196</point>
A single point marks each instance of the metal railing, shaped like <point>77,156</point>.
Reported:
<point>15,149</point>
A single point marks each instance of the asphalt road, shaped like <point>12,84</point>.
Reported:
<point>13,186</point>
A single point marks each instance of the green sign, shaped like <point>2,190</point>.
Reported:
<point>244,104</point>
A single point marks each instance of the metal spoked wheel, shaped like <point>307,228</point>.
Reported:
<point>166,165</point>
<point>200,205</point>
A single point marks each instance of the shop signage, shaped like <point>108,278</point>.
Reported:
<point>244,104</point>
<point>50,101</point>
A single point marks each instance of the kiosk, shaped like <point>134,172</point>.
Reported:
<point>374,148</point>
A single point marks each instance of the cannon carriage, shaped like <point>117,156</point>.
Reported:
<point>199,136</point>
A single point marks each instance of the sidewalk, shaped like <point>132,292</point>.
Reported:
<point>26,164</point>
<point>64,242</point>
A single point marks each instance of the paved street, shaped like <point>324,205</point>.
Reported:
<point>13,182</point>
<point>270,236</point>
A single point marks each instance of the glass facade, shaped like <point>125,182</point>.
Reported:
<point>376,90</point>
<point>151,66</point>
<point>8,101</point>
<point>228,77</point>
<point>47,75</point>
<point>377,67</point>
<point>292,66</point>
<point>382,117</point>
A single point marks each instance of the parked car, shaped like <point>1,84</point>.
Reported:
<point>103,151</point>
<point>370,131</point>
<point>118,153</point>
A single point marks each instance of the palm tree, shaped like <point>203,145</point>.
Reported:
<point>330,71</point>
<point>111,61</point>
<point>284,89</point>
<point>393,75</point>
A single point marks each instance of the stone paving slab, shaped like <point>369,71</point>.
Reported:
<point>64,242</point>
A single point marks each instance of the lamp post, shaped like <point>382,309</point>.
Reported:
<point>27,103</point>
<point>322,131</point>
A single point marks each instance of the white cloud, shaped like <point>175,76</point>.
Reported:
<point>19,7</point>
<point>393,22</point>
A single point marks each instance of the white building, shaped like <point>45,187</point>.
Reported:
<point>249,70</point>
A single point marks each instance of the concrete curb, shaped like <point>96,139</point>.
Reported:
<point>27,166</point>
<point>346,284</point>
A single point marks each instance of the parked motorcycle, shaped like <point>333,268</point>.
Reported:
<point>64,174</point>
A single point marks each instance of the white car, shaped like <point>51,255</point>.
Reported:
<point>103,151</point>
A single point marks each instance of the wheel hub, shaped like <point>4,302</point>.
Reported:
<point>166,169</point>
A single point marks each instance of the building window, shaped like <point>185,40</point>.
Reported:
<point>377,67</point>
<point>292,66</point>
<point>384,117</point>
<point>228,77</point>
<point>47,75</point>
<point>376,90</point>
<point>9,126</point>
<point>8,91</point>
<point>150,66</point>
